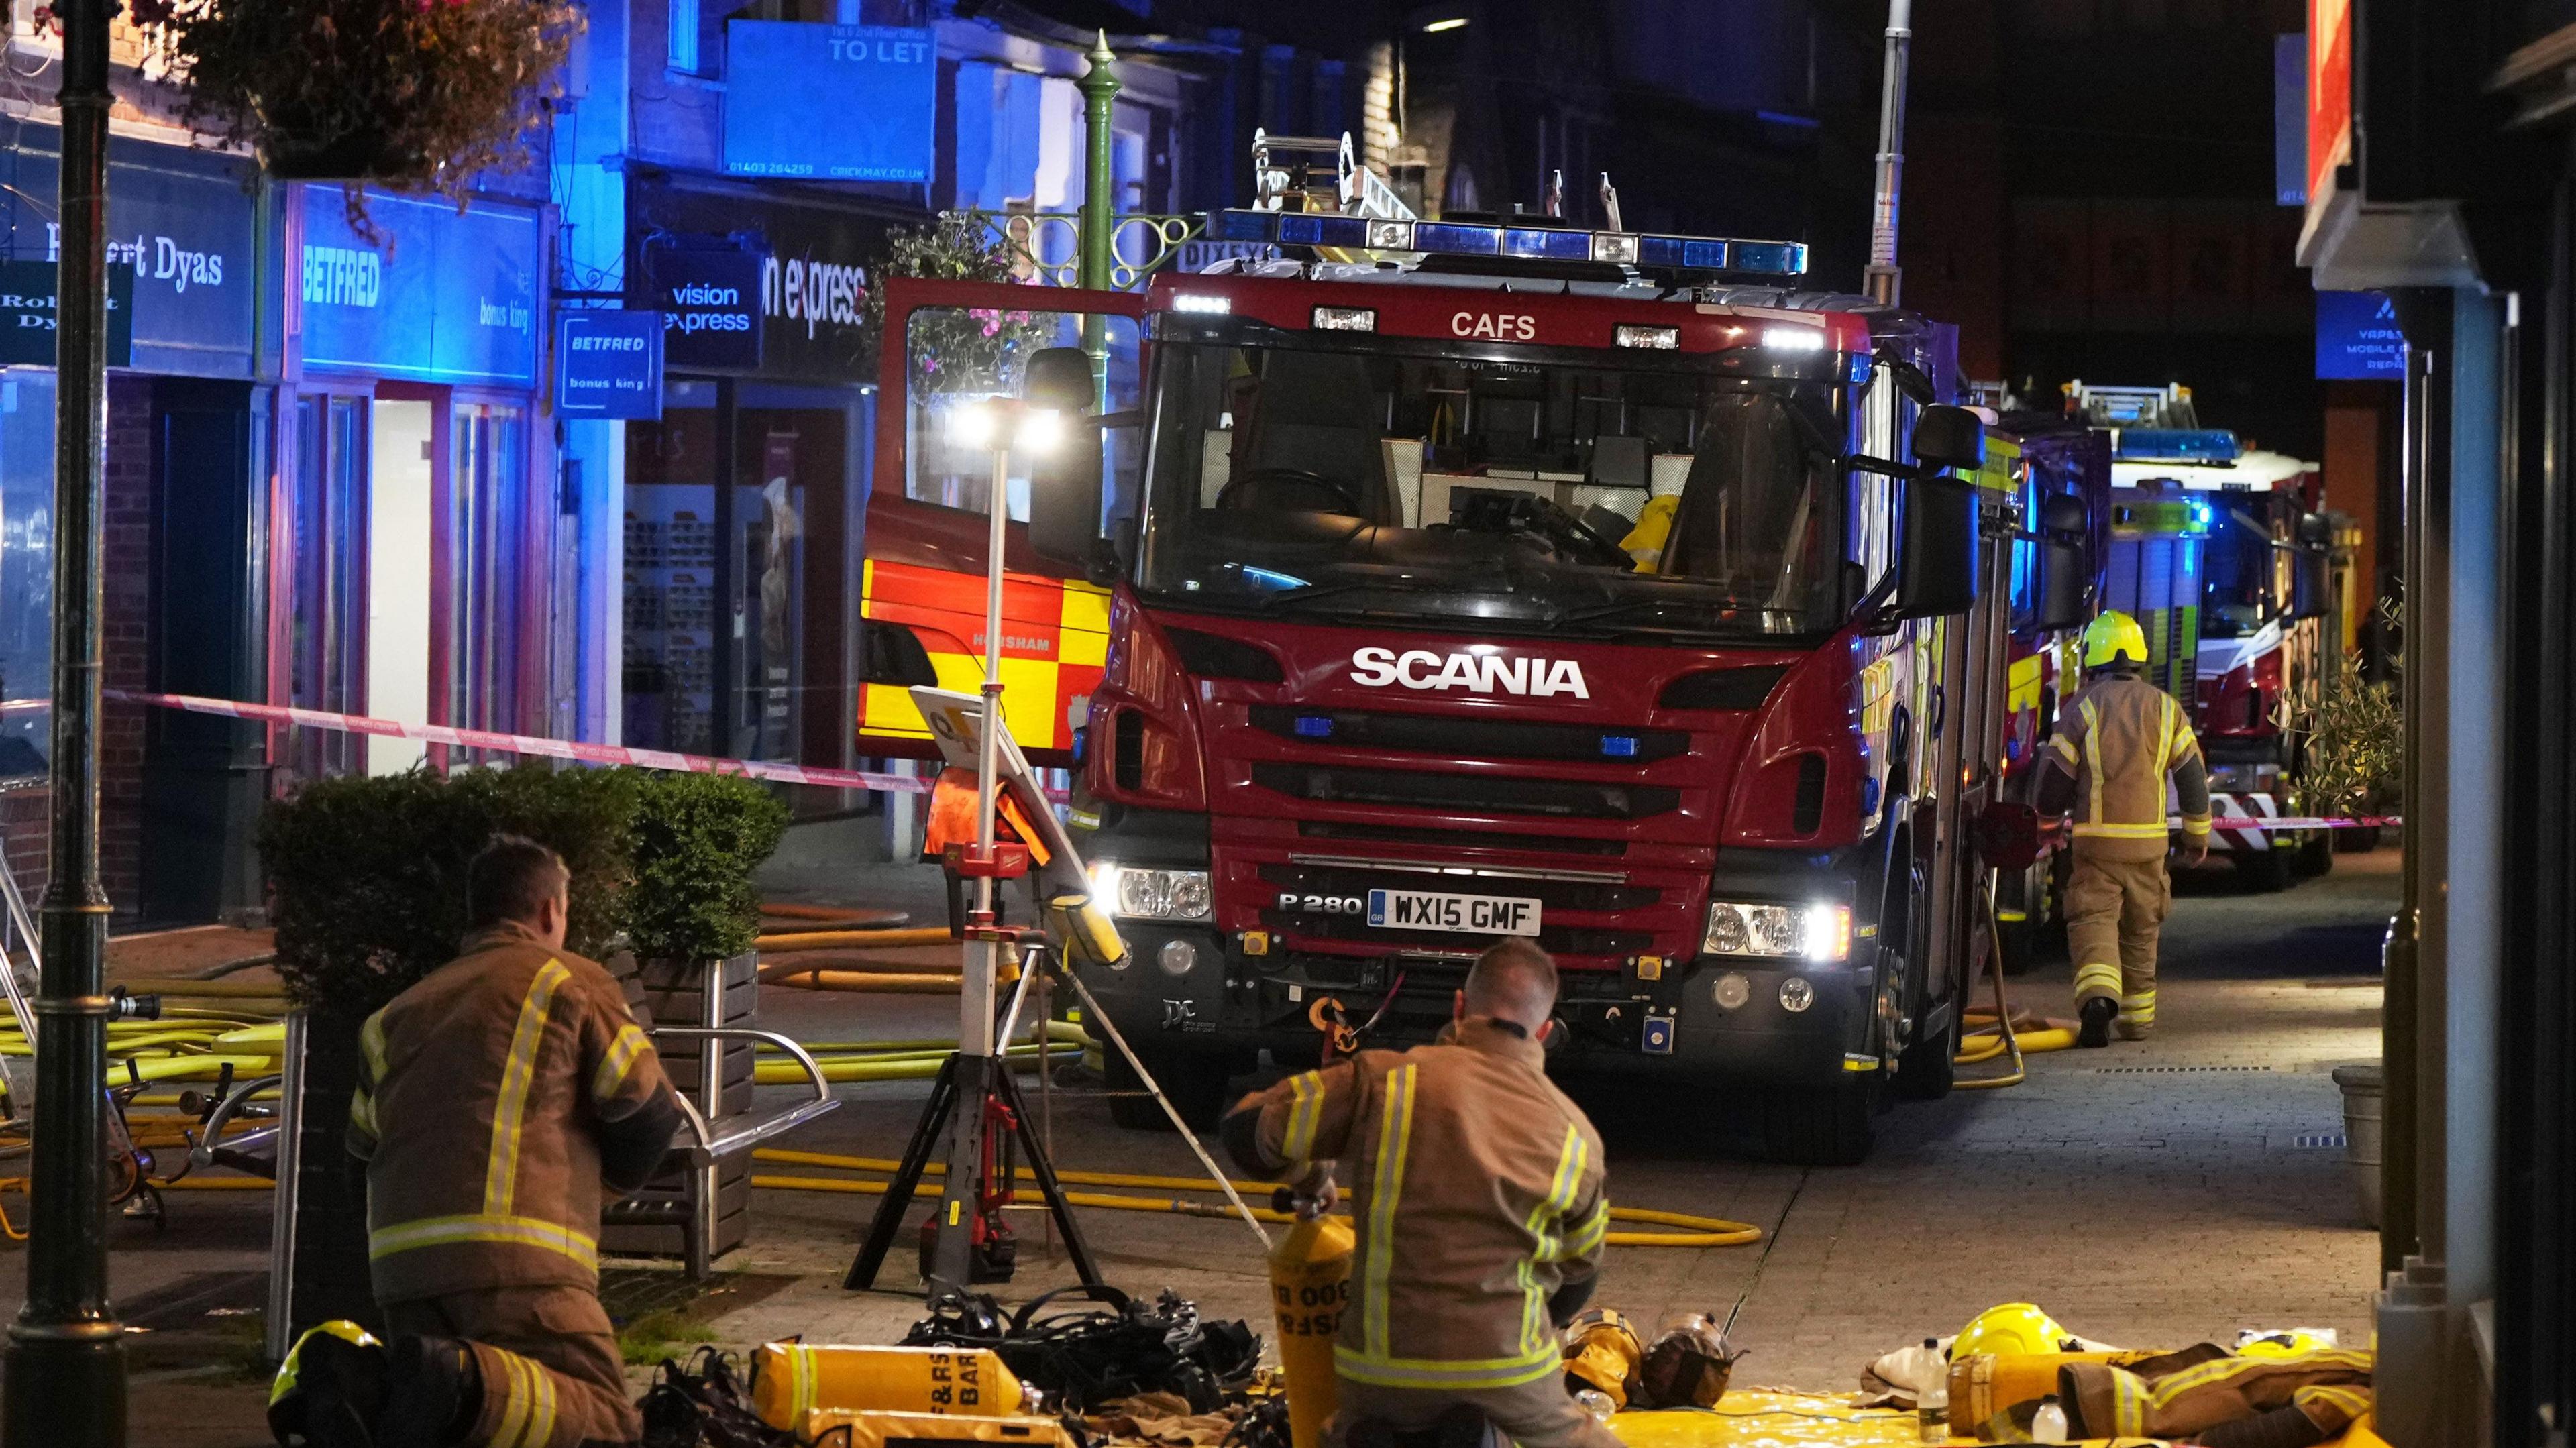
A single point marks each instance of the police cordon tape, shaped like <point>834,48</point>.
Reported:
<point>795,773</point>
<point>516,743</point>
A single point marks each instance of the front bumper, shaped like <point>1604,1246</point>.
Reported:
<point>1652,1018</point>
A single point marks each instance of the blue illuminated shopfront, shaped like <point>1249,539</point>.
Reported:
<point>419,555</point>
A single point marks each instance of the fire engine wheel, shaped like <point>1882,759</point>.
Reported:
<point>2264,872</point>
<point>1925,1070</point>
<point>1194,1081</point>
<point>1829,1126</point>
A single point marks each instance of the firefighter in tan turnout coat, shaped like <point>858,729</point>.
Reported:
<point>2116,744</point>
<point>500,1100</point>
<point>1477,1197</point>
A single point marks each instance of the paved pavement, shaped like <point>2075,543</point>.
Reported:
<point>2152,1193</point>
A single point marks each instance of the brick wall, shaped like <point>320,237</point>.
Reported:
<point>126,521</point>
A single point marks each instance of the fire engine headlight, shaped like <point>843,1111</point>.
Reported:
<point>1177,957</point>
<point>1819,932</point>
<point>1796,994</point>
<point>1731,991</point>
<point>1144,893</point>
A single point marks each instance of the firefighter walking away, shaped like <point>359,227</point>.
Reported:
<point>2117,742</point>
<point>1478,1197</point>
<point>498,1100</point>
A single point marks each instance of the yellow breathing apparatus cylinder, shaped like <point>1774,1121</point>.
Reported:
<point>790,1380</point>
<point>1310,1278</point>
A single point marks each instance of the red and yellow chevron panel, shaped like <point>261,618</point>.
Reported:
<point>1055,638</point>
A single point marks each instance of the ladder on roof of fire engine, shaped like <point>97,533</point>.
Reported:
<point>1323,174</point>
<point>2166,406</point>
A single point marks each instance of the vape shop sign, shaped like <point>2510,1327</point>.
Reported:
<point>27,322</point>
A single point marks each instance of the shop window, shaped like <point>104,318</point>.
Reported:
<point>26,562</point>
<point>328,526</point>
<point>491,564</point>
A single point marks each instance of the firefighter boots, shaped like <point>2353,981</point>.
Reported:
<point>2096,1030</point>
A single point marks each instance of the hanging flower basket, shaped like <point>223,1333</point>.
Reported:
<point>966,350</point>
<point>411,95</point>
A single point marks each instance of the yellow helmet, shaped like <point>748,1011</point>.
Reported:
<point>2297,1342</point>
<point>2015,1329</point>
<point>2110,635</point>
<point>287,1395</point>
<point>1602,1351</point>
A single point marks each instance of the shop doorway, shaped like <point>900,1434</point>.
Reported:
<point>399,516</point>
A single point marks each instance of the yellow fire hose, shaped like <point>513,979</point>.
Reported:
<point>852,939</point>
<point>1692,1231</point>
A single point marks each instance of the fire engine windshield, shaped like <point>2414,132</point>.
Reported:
<point>1399,480</point>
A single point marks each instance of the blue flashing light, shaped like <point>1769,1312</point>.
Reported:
<point>1244,225</point>
<point>2200,514</point>
<point>1458,239</point>
<point>2178,445</point>
<point>1454,238</point>
<point>1619,746</point>
<point>1322,229</point>
<point>1314,726</point>
<point>1778,258</point>
<point>1553,245</point>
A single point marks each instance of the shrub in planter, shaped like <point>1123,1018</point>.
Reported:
<point>367,875</point>
<point>695,841</point>
<point>415,95</point>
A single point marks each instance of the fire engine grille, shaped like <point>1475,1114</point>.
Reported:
<point>1471,794</point>
<point>1474,738</point>
<point>1464,839</point>
<point>1555,939</point>
<point>1352,881</point>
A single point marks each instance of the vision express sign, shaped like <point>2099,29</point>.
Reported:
<point>27,326</point>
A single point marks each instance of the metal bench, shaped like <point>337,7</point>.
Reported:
<point>701,1145</point>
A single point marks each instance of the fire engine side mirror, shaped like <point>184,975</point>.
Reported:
<point>1059,380</point>
<point>2061,554</point>
<point>1949,437</point>
<point>1936,558</point>
<point>2312,591</point>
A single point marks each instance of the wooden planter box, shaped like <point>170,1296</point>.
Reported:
<point>699,1214</point>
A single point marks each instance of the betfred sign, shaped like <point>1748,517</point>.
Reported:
<point>608,364</point>
<point>2329,95</point>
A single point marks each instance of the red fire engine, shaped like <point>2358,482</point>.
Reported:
<point>1468,579</point>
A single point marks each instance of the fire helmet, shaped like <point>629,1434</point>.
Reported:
<point>2113,635</point>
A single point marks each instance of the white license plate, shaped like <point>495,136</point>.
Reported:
<point>1465,914</point>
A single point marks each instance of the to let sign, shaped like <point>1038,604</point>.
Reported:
<point>608,364</point>
<point>833,102</point>
<point>27,313</point>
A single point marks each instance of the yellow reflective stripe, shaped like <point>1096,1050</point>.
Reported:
<point>1542,1217</point>
<point>623,1053</point>
<point>2065,748</point>
<point>2164,733</point>
<point>2195,825</point>
<point>1589,1235</point>
<point>541,1413</point>
<point>1305,1112</point>
<point>514,1402</point>
<point>481,1227</point>
<point>371,1041</point>
<point>362,1112</point>
<point>1394,1372</point>
<point>2092,736</point>
<point>2097,977</point>
<point>2128,1414</point>
<point>2156,831</point>
<point>501,1171</point>
<point>802,1375</point>
<point>1394,1138</point>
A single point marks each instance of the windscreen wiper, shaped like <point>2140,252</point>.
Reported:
<point>1608,611</point>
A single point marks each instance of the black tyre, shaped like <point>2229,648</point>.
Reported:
<point>1821,1126</point>
<point>1194,1082</point>
<point>2264,872</point>
<point>1924,1070</point>
<point>2316,855</point>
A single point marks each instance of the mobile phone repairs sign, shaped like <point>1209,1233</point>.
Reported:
<point>832,102</point>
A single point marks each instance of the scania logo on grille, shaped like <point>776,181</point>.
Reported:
<point>1477,673</point>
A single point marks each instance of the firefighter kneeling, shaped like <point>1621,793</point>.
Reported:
<point>1477,1194</point>
<point>497,1099</point>
<point>2115,744</point>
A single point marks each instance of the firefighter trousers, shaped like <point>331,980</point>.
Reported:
<point>1537,1414</point>
<point>2114,912</point>
<point>552,1375</point>
<point>2203,1395</point>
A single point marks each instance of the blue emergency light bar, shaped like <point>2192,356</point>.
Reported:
<point>2176,445</point>
<point>1543,243</point>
